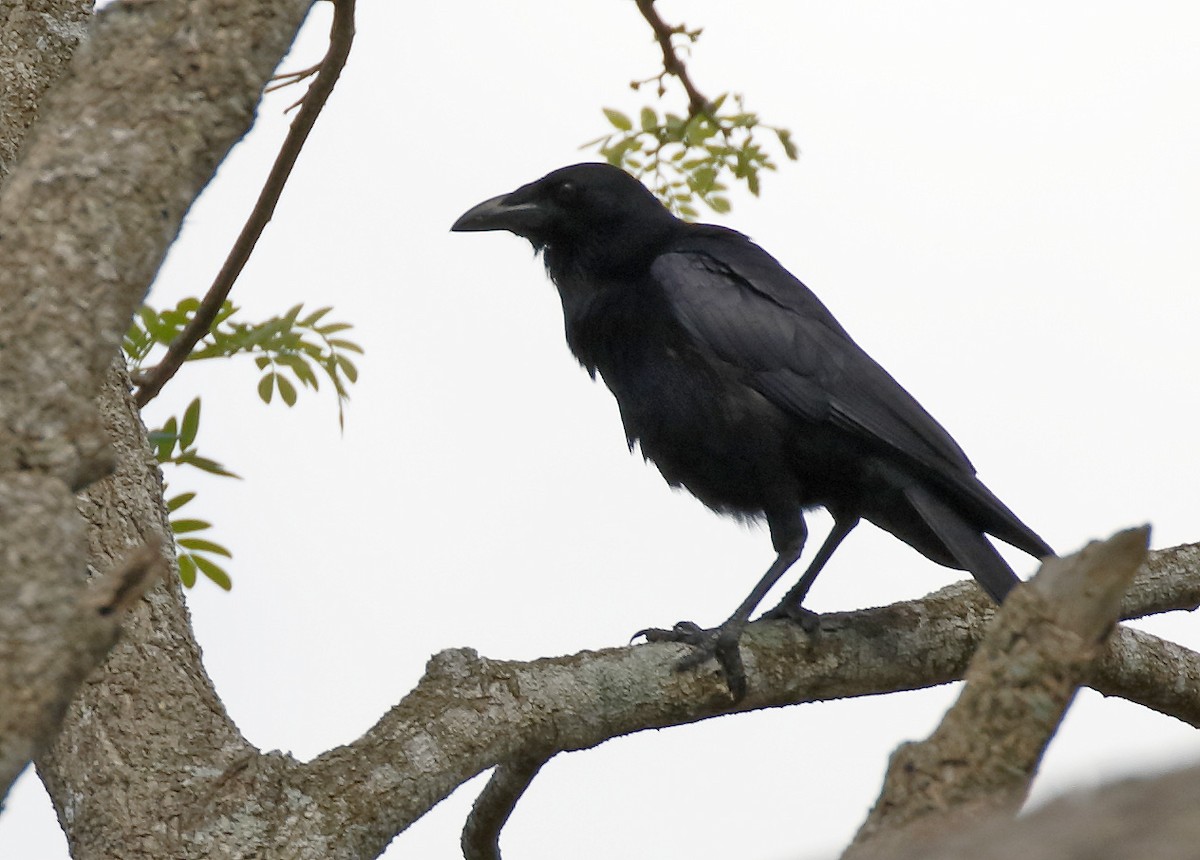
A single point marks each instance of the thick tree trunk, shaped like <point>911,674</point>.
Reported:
<point>147,730</point>
<point>129,128</point>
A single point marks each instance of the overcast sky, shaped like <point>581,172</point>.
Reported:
<point>998,200</point>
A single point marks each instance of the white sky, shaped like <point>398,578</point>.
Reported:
<point>999,201</point>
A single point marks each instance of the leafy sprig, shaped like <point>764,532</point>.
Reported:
<point>687,157</point>
<point>291,351</point>
<point>174,443</point>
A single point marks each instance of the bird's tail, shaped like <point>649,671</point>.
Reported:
<point>965,542</point>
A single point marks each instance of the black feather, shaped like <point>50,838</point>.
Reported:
<point>741,386</point>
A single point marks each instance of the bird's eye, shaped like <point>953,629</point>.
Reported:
<point>566,192</point>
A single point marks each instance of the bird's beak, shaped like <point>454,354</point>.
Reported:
<point>496,214</point>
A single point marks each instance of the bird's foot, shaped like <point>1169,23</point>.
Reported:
<point>719,643</point>
<point>808,620</point>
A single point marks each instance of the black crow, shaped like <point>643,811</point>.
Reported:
<point>740,386</point>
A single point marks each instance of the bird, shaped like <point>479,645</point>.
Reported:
<point>740,386</point>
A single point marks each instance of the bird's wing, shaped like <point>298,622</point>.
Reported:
<point>740,303</point>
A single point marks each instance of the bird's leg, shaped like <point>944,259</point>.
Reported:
<point>790,607</point>
<point>721,643</point>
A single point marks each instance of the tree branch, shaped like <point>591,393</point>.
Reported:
<point>481,834</point>
<point>151,710</point>
<point>672,63</point>
<point>341,37</point>
<point>468,713</point>
<point>982,757</point>
<point>124,143</point>
<point>1169,580</point>
<point>1152,818</point>
<point>1152,672</point>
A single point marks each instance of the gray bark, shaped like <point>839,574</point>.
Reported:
<point>1130,819</point>
<point>130,132</point>
<point>145,762</point>
<point>981,760</point>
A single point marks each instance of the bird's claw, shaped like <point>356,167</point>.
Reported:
<point>684,631</point>
<point>719,643</point>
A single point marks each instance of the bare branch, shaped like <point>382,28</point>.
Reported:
<point>672,63</point>
<point>481,833</point>
<point>341,37</point>
<point>1170,579</point>
<point>469,713</point>
<point>1157,674</point>
<point>981,759</point>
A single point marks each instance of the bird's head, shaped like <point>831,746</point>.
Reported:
<point>584,206</point>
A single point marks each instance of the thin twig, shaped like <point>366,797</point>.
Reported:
<point>341,36</point>
<point>672,63</point>
<point>286,79</point>
<point>481,833</point>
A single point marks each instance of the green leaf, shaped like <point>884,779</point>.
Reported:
<point>154,324</point>
<point>163,442</point>
<point>202,545</point>
<point>187,571</point>
<point>332,328</point>
<point>789,146</point>
<point>348,345</point>
<point>348,368</point>
<point>191,423</point>
<point>286,390</point>
<point>227,310</point>
<point>718,204</point>
<point>698,130</point>
<point>702,179</point>
<point>310,349</point>
<point>300,367</point>
<point>649,119</point>
<point>164,439</point>
<point>174,504</point>
<point>213,571</point>
<point>618,119</point>
<point>266,387</point>
<point>315,317</point>
<point>205,464</point>
<point>136,343</point>
<point>255,335</point>
<point>180,527</point>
